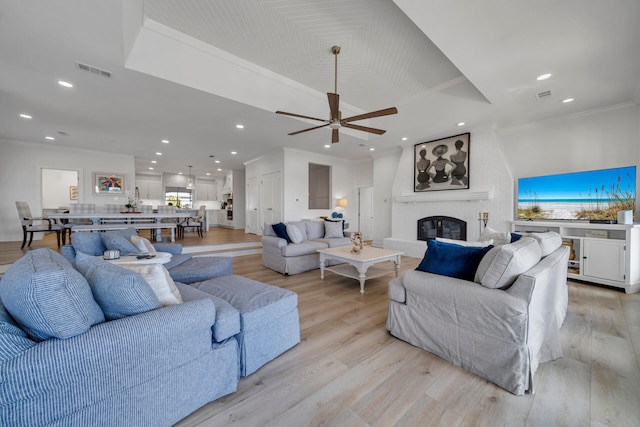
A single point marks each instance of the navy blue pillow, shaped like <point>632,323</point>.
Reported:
<point>281,231</point>
<point>448,259</point>
<point>515,237</point>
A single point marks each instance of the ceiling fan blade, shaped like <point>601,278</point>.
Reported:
<point>364,128</point>
<point>385,112</point>
<point>334,105</point>
<point>301,116</point>
<point>334,136</point>
<point>307,130</point>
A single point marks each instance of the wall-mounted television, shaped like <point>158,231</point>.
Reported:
<point>589,195</point>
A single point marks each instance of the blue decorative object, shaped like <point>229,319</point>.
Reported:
<point>334,214</point>
<point>281,231</point>
<point>448,259</point>
<point>339,215</point>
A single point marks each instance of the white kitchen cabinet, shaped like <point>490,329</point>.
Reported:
<point>149,187</point>
<point>607,254</point>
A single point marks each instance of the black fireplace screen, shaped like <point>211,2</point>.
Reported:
<point>442,226</point>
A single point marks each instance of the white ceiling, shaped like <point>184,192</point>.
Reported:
<point>189,71</point>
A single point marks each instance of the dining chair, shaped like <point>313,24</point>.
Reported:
<point>44,225</point>
<point>113,209</point>
<point>79,208</point>
<point>196,222</point>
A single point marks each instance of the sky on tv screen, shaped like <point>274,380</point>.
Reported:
<point>577,186</point>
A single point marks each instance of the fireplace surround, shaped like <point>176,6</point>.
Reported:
<point>442,226</point>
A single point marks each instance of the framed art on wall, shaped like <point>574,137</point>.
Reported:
<point>442,164</point>
<point>104,183</point>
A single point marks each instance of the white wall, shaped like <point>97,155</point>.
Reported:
<point>487,170</point>
<point>598,139</point>
<point>296,184</point>
<point>20,165</point>
<point>385,166</point>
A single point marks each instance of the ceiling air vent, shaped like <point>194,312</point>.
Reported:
<point>543,95</point>
<point>94,70</point>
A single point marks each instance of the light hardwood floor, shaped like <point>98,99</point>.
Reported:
<point>348,371</point>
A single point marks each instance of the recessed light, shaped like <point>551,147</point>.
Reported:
<point>179,173</point>
<point>25,116</point>
<point>240,126</point>
<point>327,146</point>
<point>404,138</point>
<point>65,84</point>
<point>372,149</point>
<point>165,141</point>
<point>567,100</point>
<point>234,152</point>
<point>150,168</point>
<point>460,124</point>
<point>216,161</point>
<point>208,174</point>
<point>219,170</point>
<point>154,161</point>
<point>158,154</point>
<point>543,76</point>
<point>50,138</point>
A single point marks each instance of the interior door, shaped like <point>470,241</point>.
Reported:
<point>271,191</point>
<point>253,201</point>
<point>365,212</point>
<point>59,188</point>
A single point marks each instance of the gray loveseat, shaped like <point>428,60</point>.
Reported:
<point>500,326</point>
<point>294,258</point>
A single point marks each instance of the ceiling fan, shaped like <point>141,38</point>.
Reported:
<point>336,121</point>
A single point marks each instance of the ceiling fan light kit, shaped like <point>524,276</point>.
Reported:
<point>336,121</point>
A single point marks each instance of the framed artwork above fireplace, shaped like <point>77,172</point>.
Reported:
<point>442,164</point>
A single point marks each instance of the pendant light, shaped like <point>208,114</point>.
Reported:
<point>190,181</point>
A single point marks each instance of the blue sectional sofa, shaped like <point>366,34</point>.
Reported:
<point>183,268</point>
<point>71,355</point>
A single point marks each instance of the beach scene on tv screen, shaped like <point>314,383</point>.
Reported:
<point>589,195</point>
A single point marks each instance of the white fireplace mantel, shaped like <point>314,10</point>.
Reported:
<point>479,193</point>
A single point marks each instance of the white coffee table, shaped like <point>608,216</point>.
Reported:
<point>359,266</point>
<point>160,258</point>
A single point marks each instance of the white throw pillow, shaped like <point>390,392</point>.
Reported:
<point>294,234</point>
<point>160,281</point>
<point>333,230</point>
<point>482,244</point>
<point>502,265</point>
<point>498,237</point>
<point>143,245</point>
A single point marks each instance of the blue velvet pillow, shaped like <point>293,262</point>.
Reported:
<point>119,292</point>
<point>448,259</point>
<point>281,231</point>
<point>515,237</point>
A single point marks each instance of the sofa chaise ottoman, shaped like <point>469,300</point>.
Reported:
<point>268,318</point>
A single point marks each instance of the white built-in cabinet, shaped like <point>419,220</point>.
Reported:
<point>206,190</point>
<point>149,187</point>
<point>608,254</point>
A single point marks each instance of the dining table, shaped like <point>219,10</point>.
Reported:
<point>127,217</point>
